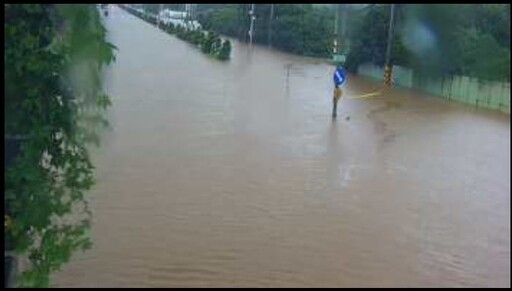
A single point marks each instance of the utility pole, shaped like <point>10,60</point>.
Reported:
<point>187,16</point>
<point>343,27</point>
<point>192,12</point>
<point>336,21</point>
<point>339,33</point>
<point>239,17</point>
<point>251,29</point>
<point>270,25</point>
<point>158,16</point>
<point>238,20</point>
<point>302,25</point>
<point>388,69</point>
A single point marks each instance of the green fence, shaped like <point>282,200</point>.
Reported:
<point>486,94</point>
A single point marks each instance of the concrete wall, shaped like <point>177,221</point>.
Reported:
<point>487,94</point>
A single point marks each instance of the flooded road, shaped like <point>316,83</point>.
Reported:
<point>233,174</point>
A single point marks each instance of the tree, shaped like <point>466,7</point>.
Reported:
<point>302,29</point>
<point>225,51</point>
<point>216,45</point>
<point>370,41</point>
<point>210,43</point>
<point>206,46</point>
<point>53,58</point>
<point>436,39</point>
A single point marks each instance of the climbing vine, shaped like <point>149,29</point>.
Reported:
<point>54,107</point>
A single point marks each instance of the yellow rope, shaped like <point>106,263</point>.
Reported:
<point>366,95</point>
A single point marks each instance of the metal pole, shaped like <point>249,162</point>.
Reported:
<point>241,22</point>
<point>238,19</point>
<point>390,34</point>
<point>159,15</point>
<point>251,31</point>
<point>270,24</point>
<point>335,49</point>
<point>388,67</point>
<point>187,15</point>
<point>343,26</point>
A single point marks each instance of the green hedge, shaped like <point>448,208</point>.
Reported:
<point>209,42</point>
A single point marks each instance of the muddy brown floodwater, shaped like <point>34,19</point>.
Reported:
<point>224,174</point>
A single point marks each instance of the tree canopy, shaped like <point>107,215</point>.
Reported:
<point>54,106</point>
<point>465,39</point>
